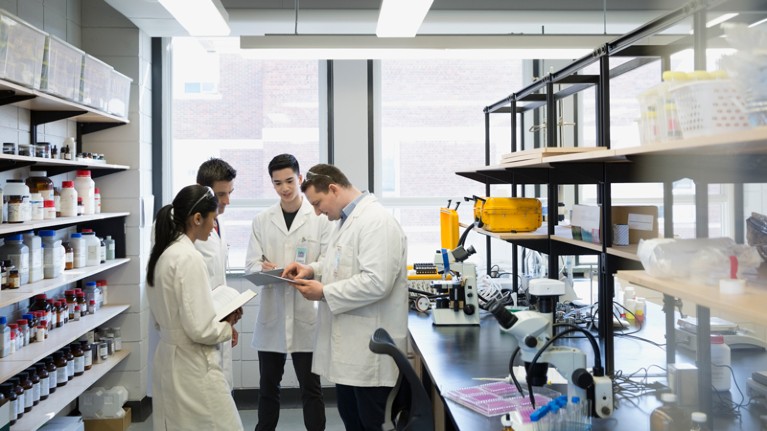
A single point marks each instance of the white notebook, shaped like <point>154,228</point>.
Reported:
<point>226,300</point>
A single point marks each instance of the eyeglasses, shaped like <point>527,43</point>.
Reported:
<point>312,175</point>
<point>208,192</point>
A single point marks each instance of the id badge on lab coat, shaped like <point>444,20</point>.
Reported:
<point>302,252</point>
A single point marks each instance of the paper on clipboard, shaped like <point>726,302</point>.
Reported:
<point>267,277</point>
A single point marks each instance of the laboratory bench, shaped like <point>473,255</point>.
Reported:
<point>454,357</point>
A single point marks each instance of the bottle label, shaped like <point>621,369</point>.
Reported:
<point>36,392</point>
<point>14,409</point>
<point>45,387</point>
<point>79,364</point>
<point>70,369</point>
<point>29,398</point>
<point>62,375</point>
<point>88,358</point>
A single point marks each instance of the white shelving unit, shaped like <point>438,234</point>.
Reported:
<point>64,395</point>
<point>89,120</point>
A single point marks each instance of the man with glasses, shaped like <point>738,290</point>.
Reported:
<point>361,284</point>
<point>287,322</point>
<point>219,176</point>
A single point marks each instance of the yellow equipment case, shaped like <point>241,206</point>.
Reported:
<point>508,214</point>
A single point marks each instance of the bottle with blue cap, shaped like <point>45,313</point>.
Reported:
<point>5,337</point>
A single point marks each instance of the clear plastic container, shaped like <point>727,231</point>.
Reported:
<point>18,253</point>
<point>119,95</point>
<point>62,66</point>
<point>22,48</point>
<point>96,83</point>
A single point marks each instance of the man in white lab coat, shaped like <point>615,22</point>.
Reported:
<point>361,284</point>
<point>285,232</point>
<point>219,176</point>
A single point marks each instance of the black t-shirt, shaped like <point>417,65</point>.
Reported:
<point>289,217</point>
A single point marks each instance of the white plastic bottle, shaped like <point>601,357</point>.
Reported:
<point>86,189</point>
<point>79,249</point>
<point>68,199</point>
<point>52,263</point>
<point>720,363</point>
<point>93,248</point>
<point>36,206</point>
<point>35,245</point>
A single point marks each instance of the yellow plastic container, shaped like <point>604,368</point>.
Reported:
<point>509,214</point>
<point>448,228</point>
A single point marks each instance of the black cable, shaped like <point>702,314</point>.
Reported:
<point>597,369</point>
<point>511,370</point>
<point>466,233</point>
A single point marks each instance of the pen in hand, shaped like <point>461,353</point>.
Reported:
<point>266,264</point>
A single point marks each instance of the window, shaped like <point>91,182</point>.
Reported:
<point>433,126</point>
<point>244,111</point>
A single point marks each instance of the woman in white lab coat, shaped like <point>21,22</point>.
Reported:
<point>189,388</point>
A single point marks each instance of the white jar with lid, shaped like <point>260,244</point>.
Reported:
<point>93,248</point>
<point>16,187</point>
<point>86,189</point>
<point>68,199</point>
<point>18,253</point>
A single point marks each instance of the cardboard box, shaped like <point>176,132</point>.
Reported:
<point>116,424</point>
<point>586,222</point>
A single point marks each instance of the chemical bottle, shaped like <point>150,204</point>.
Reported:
<point>36,206</point>
<point>17,188</point>
<point>97,200</point>
<point>52,373</point>
<point>7,390</point>
<point>35,379</point>
<point>93,248</point>
<point>669,416</point>
<point>5,337</point>
<point>68,199</point>
<point>699,420</point>
<point>79,250</point>
<point>110,244</point>
<point>53,256</point>
<point>92,292</point>
<point>86,189</point>
<point>18,253</point>
<point>720,363</point>
<point>45,381</point>
<point>35,245</point>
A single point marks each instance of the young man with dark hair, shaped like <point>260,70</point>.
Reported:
<point>285,232</point>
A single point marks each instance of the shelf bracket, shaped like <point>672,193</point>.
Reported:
<point>8,97</point>
<point>42,117</point>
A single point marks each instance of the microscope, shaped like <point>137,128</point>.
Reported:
<point>533,330</point>
<point>457,303</point>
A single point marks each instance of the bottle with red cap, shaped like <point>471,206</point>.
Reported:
<point>86,189</point>
<point>68,199</point>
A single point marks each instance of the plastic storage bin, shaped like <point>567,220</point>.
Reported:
<point>509,214</point>
<point>96,83</point>
<point>21,51</point>
<point>119,95</point>
<point>709,107</point>
<point>62,66</point>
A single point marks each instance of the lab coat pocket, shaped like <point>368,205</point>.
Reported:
<point>351,337</point>
<point>345,262</point>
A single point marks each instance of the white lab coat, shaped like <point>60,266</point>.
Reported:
<point>215,252</point>
<point>365,286</point>
<point>189,388</point>
<point>287,322</point>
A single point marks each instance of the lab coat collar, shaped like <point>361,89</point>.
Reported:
<point>278,219</point>
<point>366,200</point>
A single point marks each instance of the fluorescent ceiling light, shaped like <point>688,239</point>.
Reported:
<point>757,23</point>
<point>199,17</point>
<point>427,46</point>
<point>720,19</point>
<point>401,18</point>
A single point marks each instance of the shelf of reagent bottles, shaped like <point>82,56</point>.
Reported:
<point>35,100</point>
<point>57,166</point>
<point>58,338</point>
<point>64,395</point>
<point>12,296</point>
<point>9,228</point>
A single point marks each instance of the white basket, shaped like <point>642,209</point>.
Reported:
<point>119,95</point>
<point>21,51</point>
<point>62,67</point>
<point>96,83</point>
<point>709,107</point>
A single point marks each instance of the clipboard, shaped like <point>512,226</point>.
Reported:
<point>268,277</point>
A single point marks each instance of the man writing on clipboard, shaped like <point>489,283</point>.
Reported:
<point>285,232</point>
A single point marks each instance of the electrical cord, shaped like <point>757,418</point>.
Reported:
<point>597,369</point>
<point>511,370</point>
